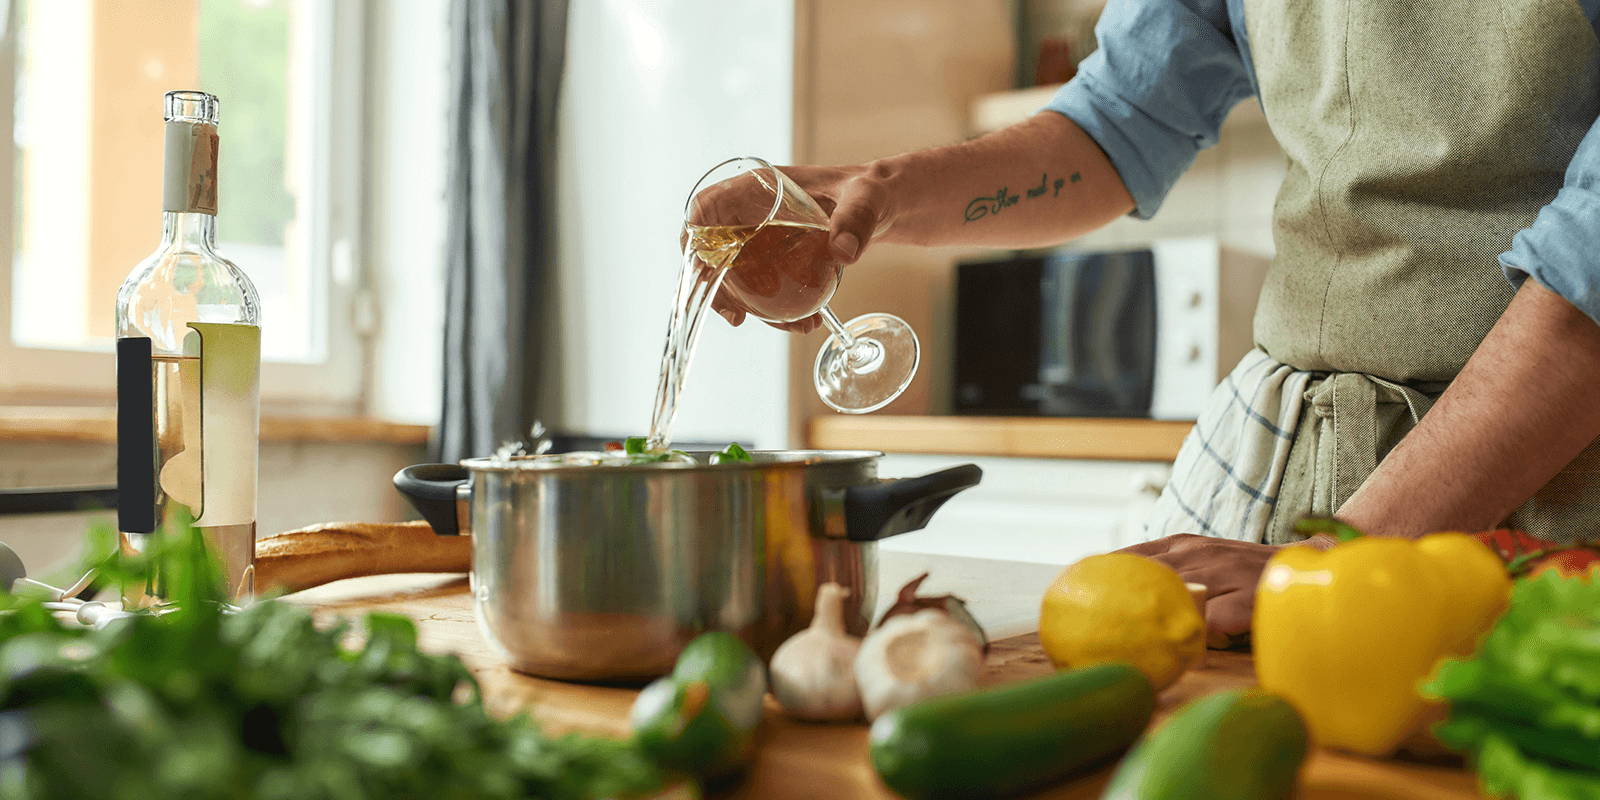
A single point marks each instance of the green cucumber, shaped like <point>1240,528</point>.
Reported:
<point>702,718</point>
<point>1233,745</point>
<point>1004,740</point>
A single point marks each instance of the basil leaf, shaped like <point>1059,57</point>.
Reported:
<point>733,452</point>
<point>634,445</point>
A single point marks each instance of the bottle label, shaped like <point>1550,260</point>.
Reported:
<point>136,436</point>
<point>204,453</point>
<point>229,393</point>
<point>189,179</point>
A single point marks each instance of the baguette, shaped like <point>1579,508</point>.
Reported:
<point>301,559</point>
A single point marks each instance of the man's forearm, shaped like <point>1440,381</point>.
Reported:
<point>1525,404</point>
<point>1036,183</point>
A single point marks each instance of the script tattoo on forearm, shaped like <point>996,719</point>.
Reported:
<point>1003,198</point>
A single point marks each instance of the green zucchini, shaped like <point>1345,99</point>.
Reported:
<point>702,718</point>
<point>1004,740</point>
<point>1233,745</point>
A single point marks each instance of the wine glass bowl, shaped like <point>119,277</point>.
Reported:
<point>769,239</point>
<point>785,273</point>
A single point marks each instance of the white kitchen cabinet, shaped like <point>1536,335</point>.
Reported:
<point>1052,511</point>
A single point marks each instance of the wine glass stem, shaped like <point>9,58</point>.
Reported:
<point>837,328</point>
<point>859,353</point>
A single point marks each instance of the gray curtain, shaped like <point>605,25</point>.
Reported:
<point>507,59</point>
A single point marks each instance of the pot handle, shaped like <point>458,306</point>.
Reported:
<point>431,490</point>
<point>897,505</point>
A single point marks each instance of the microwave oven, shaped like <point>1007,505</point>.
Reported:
<point>1141,332</point>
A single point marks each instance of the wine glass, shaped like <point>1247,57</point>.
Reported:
<point>770,239</point>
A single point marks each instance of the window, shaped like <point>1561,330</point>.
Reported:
<point>85,179</point>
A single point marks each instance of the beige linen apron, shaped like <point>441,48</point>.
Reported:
<point>1421,135</point>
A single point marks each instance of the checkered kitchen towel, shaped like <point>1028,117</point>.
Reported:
<point>1226,478</point>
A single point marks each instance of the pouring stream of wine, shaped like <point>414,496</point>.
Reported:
<point>704,261</point>
<point>781,271</point>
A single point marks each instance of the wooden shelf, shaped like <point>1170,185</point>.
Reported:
<point>1034,437</point>
<point>996,110</point>
<point>99,425</point>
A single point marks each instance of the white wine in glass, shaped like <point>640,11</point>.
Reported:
<point>769,239</point>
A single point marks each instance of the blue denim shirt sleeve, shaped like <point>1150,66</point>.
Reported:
<point>1157,90</point>
<point>1561,249</point>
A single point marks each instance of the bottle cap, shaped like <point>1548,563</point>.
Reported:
<point>189,105</point>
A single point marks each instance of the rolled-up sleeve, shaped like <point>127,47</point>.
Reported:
<point>1157,90</point>
<point>1561,249</point>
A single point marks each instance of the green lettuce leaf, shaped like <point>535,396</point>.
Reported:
<point>1526,706</point>
<point>1505,771</point>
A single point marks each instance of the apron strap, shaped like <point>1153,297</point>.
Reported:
<point>1347,402</point>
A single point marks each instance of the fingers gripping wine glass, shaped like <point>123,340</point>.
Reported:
<point>770,238</point>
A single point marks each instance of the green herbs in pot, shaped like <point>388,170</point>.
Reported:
<point>732,454</point>
<point>636,450</point>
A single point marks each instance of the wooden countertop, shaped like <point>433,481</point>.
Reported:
<point>800,760</point>
<point>1037,437</point>
<point>99,425</point>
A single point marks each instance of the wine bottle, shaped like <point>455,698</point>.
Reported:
<point>189,365</point>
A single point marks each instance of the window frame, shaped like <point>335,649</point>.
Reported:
<point>333,179</point>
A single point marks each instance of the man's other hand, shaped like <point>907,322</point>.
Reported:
<point>1229,569</point>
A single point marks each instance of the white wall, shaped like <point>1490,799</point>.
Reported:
<point>655,94</point>
<point>405,214</point>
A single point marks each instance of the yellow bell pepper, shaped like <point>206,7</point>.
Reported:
<point>1346,635</point>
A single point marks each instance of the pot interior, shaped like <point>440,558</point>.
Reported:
<point>759,459</point>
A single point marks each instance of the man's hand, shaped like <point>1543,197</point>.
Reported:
<point>1230,570</point>
<point>857,204</point>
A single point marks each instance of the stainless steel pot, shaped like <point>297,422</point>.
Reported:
<point>605,573</point>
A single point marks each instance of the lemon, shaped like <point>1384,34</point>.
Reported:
<point>1122,607</point>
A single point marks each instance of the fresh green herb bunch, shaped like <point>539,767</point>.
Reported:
<point>1527,704</point>
<point>637,449</point>
<point>198,703</point>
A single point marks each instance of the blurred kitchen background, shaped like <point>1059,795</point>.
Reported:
<point>351,127</point>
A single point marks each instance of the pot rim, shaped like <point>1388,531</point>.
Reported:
<point>781,459</point>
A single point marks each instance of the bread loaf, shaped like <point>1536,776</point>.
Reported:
<point>307,557</point>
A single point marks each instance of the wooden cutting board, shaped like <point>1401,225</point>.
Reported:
<point>803,760</point>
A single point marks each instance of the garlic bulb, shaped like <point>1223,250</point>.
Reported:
<point>811,672</point>
<point>912,657</point>
<point>909,602</point>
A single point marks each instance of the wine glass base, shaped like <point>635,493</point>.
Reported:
<point>872,373</point>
